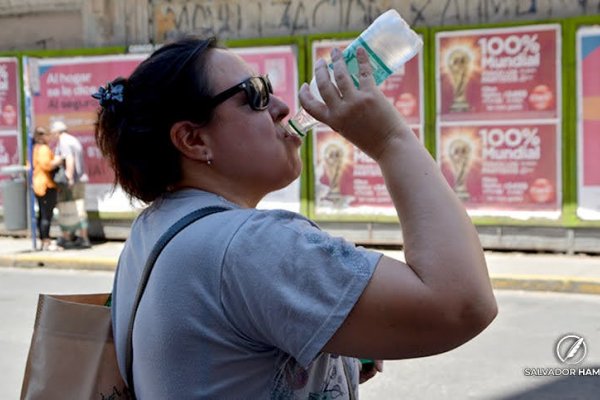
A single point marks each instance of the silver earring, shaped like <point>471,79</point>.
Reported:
<point>208,162</point>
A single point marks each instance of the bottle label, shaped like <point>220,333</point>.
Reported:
<point>380,70</point>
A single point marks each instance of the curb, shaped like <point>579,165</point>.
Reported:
<point>539,283</point>
<point>58,262</point>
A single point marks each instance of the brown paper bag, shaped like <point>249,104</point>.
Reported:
<point>72,353</point>
<point>70,214</point>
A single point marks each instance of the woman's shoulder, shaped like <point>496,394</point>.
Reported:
<point>273,229</point>
<point>42,148</point>
<point>261,224</point>
<point>278,218</point>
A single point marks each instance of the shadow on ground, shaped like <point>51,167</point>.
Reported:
<point>564,388</point>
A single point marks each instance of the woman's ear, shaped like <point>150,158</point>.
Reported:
<point>187,138</point>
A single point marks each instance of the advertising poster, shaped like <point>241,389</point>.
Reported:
<point>347,181</point>
<point>503,170</point>
<point>10,154</point>
<point>588,129</point>
<point>498,74</point>
<point>280,63</point>
<point>9,95</point>
<point>10,116</point>
<point>61,89</point>
<point>9,150</point>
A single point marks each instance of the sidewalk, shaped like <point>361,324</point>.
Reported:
<point>518,271</point>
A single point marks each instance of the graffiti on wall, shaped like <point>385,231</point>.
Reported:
<point>459,12</point>
<point>240,18</point>
<point>265,18</point>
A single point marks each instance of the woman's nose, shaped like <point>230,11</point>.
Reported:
<point>277,108</point>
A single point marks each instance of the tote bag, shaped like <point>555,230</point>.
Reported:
<point>70,213</point>
<point>72,353</point>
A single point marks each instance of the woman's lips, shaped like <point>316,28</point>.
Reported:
<point>289,136</point>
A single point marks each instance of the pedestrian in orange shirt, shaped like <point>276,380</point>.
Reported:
<point>44,163</point>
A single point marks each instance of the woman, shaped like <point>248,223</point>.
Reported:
<point>44,162</point>
<point>262,304</point>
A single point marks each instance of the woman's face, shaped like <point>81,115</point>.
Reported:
<point>249,147</point>
<point>44,138</point>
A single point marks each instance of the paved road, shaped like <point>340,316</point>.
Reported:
<point>492,365</point>
<point>489,367</point>
<point>18,299</point>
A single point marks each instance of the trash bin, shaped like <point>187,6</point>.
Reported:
<point>14,192</point>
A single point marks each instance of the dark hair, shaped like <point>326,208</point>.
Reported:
<point>133,126</point>
<point>38,133</point>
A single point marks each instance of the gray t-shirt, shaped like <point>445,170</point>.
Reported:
<point>69,145</point>
<point>239,304</point>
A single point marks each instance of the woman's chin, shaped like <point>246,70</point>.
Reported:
<point>294,174</point>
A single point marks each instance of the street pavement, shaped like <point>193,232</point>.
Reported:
<point>578,273</point>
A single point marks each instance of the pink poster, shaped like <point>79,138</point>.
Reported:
<point>9,150</point>
<point>280,63</point>
<point>61,90</point>
<point>10,116</point>
<point>499,74</point>
<point>503,169</point>
<point>347,181</point>
<point>9,95</point>
<point>9,155</point>
<point>588,132</point>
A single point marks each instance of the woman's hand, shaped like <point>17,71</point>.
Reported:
<point>362,115</point>
<point>57,161</point>
<point>368,373</point>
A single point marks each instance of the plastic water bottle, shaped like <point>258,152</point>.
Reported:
<point>389,42</point>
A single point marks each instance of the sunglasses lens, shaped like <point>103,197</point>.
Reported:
<point>258,95</point>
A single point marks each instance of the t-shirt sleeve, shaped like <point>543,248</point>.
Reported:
<point>285,283</point>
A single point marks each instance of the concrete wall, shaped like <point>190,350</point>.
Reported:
<point>40,24</point>
<point>58,24</point>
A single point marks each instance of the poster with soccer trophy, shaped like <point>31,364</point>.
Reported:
<point>500,169</point>
<point>498,74</point>
<point>498,116</point>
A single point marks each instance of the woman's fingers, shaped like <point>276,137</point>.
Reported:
<point>327,89</point>
<point>365,71</point>
<point>341,100</point>
<point>314,106</point>
<point>340,73</point>
<point>363,77</point>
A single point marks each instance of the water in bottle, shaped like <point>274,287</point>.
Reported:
<point>389,42</point>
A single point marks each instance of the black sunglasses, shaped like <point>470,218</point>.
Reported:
<point>258,90</point>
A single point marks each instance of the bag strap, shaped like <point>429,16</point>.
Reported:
<point>156,250</point>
